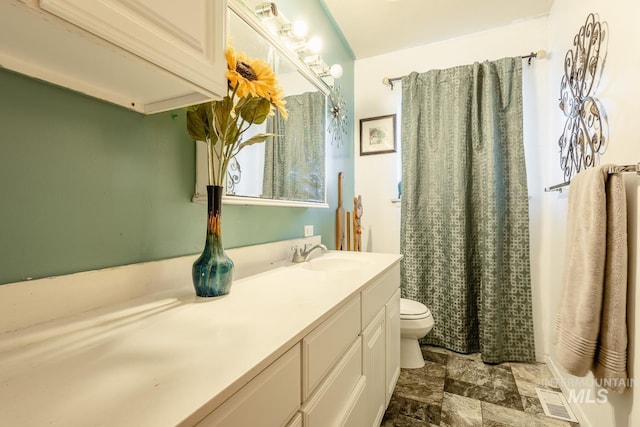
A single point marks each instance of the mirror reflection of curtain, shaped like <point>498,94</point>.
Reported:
<point>294,160</point>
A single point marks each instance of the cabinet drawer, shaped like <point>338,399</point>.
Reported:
<point>270,399</point>
<point>376,295</point>
<point>333,400</point>
<point>325,344</point>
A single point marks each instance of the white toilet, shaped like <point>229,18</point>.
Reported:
<point>415,322</point>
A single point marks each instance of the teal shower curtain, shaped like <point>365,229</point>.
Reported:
<point>464,209</point>
<point>294,160</point>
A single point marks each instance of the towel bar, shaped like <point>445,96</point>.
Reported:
<point>612,169</point>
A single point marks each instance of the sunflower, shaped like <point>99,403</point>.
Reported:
<point>254,77</point>
<point>277,100</point>
<point>251,82</point>
<point>249,76</point>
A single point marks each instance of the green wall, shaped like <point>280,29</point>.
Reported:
<point>85,184</point>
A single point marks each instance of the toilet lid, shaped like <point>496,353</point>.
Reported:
<point>413,308</point>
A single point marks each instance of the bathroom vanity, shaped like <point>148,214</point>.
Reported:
<point>309,344</point>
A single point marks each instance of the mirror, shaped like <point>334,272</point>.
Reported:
<point>289,168</point>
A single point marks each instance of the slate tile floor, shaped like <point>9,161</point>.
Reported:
<point>460,390</point>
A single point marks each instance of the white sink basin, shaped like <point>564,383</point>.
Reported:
<point>334,262</point>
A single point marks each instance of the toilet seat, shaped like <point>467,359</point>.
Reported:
<point>413,310</point>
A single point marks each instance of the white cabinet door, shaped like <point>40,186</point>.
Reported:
<point>378,292</point>
<point>392,325</point>
<point>373,368</point>
<point>185,38</point>
<point>270,399</point>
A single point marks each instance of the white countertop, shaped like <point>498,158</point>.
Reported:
<point>168,358</point>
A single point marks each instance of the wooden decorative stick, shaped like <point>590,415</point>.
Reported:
<point>357,225</point>
<point>348,231</point>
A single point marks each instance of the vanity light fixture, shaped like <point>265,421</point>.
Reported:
<point>296,30</point>
<point>266,10</point>
<point>334,71</point>
<point>293,36</point>
<point>314,45</point>
<point>297,45</point>
<point>313,61</point>
<point>286,31</point>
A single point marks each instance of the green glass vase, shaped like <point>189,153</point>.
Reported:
<point>212,272</point>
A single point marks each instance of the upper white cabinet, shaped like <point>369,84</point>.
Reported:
<point>147,55</point>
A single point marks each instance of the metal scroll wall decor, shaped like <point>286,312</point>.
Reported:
<point>582,138</point>
<point>234,174</point>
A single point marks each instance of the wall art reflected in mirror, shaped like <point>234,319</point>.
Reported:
<point>289,168</point>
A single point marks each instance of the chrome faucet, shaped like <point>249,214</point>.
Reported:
<point>302,255</point>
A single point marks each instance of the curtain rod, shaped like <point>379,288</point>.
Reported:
<point>612,169</point>
<point>388,81</point>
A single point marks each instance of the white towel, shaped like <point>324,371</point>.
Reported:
<point>591,325</point>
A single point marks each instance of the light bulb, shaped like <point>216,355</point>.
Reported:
<point>336,71</point>
<point>314,44</point>
<point>299,28</point>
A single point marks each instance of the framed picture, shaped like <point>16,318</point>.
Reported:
<point>378,135</point>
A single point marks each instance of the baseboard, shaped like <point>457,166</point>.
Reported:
<point>577,409</point>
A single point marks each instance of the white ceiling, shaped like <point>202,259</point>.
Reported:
<point>374,27</point>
